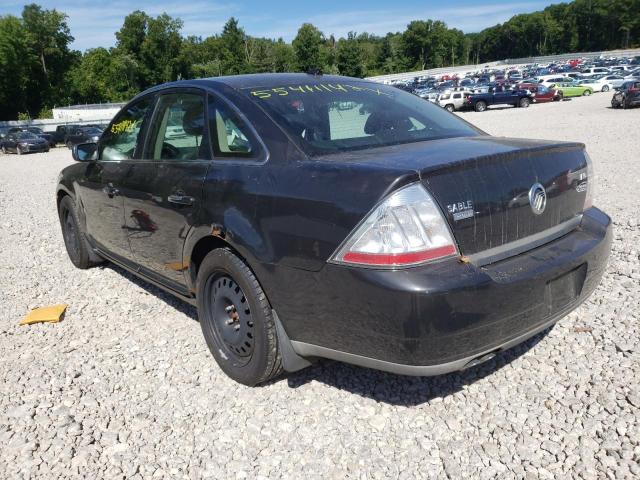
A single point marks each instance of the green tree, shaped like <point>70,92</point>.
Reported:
<point>349,56</point>
<point>14,58</point>
<point>308,48</point>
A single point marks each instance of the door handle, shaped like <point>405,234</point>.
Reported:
<point>181,199</point>
<point>111,191</point>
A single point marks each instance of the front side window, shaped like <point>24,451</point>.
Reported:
<point>178,128</point>
<point>121,139</point>
<point>230,136</point>
<point>325,117</point>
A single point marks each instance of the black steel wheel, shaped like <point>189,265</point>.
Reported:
<point>236,319</point>
<point>231,317</point>
<point>74,239</point>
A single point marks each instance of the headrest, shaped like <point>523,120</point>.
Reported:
<point>379,122</point>
<point>193,120</point>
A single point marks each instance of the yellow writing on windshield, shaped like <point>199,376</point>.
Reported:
<point>123,126</point>
<point>265,93</point>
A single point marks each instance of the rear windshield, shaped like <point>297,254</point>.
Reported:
<point>328,117</point>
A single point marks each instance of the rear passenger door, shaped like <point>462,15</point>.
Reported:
<point>163,189</point>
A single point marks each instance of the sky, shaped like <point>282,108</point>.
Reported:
<point>93,23</point>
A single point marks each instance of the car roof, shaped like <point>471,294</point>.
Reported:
<point>254,80</point>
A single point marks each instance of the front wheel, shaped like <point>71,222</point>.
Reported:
<point>74,238</point>
<point>586,93</point>
<point>19,150</point>
<point>605,88</point>
<point>524,102</point>
<point>4,150</point>
<point>236,319</point>
<point>449,108</point>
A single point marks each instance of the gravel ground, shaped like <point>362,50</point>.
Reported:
<point>124,386</point>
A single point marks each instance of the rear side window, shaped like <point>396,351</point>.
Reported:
<point>230,136</point>
<point>179,128</point>
<point>121,139</point>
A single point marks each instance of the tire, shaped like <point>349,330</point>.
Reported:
<point>524,103</point>
<point>4,150</point>
<point>74,238</point>
<point>242,340</point>
<point>586,93</point>
<point>480,106</point>
<point>449,108</point>
<point>69,145</point>
<point>19,150</point>
<point>605,88</point>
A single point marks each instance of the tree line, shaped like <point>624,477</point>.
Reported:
<point>39,70</point>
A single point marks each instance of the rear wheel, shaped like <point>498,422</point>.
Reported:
<point>74,238</point>
<point>4,150</point>
<point>605,88</point>
<point>19,150</point>
<point>586,93</point>
<point>236,319</point>
<point>69,145</point>
<point>449,108</point>
<point>524,102</point>
<point>481,106</point>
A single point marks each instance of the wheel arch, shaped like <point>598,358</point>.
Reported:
<point>198,247</point>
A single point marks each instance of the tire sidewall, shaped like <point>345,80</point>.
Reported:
<point>480,107</point>
<point>67,205</point>
<point>223,262</point>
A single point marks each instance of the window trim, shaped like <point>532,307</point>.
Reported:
<point>143,130</point>
<point>144,155</point>
<point>262,153</point>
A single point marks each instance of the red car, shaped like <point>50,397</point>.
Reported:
<point>540,93</point>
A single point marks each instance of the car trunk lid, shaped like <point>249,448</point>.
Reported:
<point>503,195</point>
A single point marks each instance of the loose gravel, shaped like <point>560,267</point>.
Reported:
<point>124,386</point>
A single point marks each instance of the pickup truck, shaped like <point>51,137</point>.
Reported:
<point>498,96</point>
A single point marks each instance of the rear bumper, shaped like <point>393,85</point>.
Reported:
<point>441,317</point>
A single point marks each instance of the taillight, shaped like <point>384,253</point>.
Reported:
<point>407,228</point>
<point>591,183</point>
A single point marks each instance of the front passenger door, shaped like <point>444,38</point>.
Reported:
<point>99,191</point>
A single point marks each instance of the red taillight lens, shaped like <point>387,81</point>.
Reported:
<point>407,228</point>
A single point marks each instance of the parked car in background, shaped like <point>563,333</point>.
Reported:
<point>452,100</point>
<point>432,268</point>
<point>24,142</point>
<point>573,89</point>
<point>61,132</point>
<point>82,135</point>
<point>540,93</point>
<point>36,131</point>
<point>549,80</point>
<point>604,83</point>
<point>590,72</point>
<point>627,95</point>
<point>498,96</point>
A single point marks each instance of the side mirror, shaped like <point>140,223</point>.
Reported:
<point>84,152</point>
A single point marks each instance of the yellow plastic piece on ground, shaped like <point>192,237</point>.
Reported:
<point>52,314</point>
